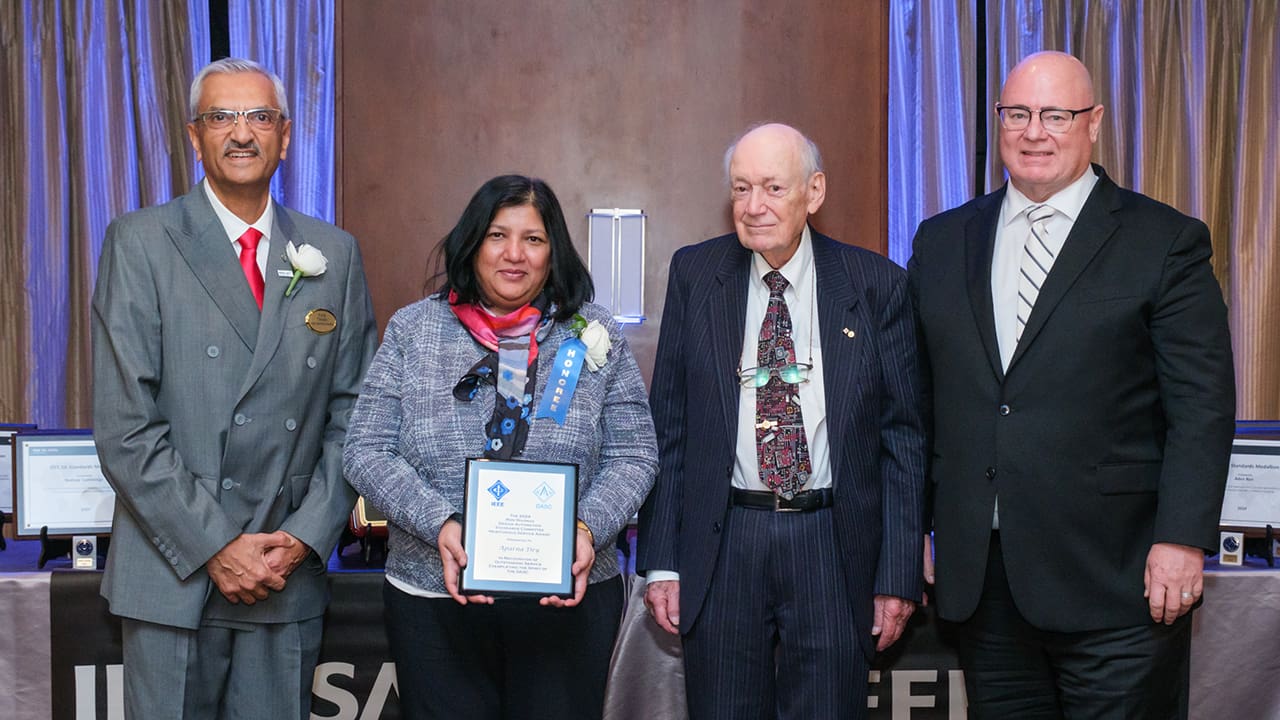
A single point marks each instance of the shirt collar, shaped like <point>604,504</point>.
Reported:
<point>1068,201</point>
<point>797,270</point>
<point>234,226</point>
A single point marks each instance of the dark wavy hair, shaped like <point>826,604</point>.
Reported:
<point>568,281</point>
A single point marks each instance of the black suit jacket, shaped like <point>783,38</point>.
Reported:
<point>1111,429</point>
<point>872,410</point>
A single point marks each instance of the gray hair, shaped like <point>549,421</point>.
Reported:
<point>231,66</point>
<point>810,157</point>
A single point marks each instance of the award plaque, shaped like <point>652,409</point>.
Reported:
<point>518,528</point>
<point>1231,548</point>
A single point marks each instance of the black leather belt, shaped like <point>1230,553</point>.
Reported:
<point>801,502</point>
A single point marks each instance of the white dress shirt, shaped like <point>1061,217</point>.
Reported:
<point>802,303</point>
<point>235,227</point>
<point>1011,234</point>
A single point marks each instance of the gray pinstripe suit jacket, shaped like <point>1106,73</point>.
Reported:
<point>213,419</point>
<point>872,409</point>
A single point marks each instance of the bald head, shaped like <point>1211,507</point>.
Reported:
<point>1042,163</point>
<point>780,135</point>
<point>1063,71</point>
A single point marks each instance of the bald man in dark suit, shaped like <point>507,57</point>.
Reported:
<point>778,539</point>
<point>1081,399</point>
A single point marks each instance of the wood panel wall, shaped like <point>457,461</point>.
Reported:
<point>615,103</point>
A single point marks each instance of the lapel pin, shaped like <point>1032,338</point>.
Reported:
<point>848,332</point>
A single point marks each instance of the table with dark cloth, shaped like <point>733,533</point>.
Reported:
<point>60,651</point>
<point>1235,669</point>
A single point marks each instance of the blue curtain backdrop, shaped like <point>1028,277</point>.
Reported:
<point>94,104</point>
<point>1192,96</point>
<point>931,125</point>
<point>296,40</point>
<point>91,128</point>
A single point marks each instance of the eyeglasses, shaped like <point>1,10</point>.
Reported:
<point>791,374</point>
<point>1055,120</point>
<point>257,118</point>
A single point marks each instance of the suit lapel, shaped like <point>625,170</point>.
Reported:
<point>837,311</point>
<point>728,318</point>
<point>1092,229</point>
<point>275,306</point>
<point>204,246</point>
<point>979,244</point>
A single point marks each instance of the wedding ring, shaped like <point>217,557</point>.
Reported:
<point>1186,595</point>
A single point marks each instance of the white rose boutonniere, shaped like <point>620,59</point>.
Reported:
<point>306,261</point>
<point>596,338</point>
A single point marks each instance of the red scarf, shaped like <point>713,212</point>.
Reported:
<point>487,328</point>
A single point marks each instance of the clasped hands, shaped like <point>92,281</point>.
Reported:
<point>252,565</point>
<point>454,559</point>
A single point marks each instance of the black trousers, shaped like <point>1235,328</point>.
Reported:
<point>1014,670</point>
<point>512,660</point>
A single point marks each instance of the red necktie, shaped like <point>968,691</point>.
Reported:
<point>249,262</point>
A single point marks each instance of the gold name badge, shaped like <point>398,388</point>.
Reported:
<point>321,321</point>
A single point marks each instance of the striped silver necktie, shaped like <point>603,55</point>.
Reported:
<point>1037,258</point>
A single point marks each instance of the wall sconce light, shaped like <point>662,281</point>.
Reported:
<point>615,256</point>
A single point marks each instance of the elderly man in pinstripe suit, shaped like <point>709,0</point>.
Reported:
<point>782,539</point>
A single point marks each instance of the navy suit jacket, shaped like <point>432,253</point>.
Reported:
<point>1111,428</point>
<point>872,409</point>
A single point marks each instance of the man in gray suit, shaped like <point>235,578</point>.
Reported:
<point>227,356</point>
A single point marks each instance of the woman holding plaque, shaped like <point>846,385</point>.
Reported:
<point>508,362</point>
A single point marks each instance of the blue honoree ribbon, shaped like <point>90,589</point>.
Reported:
<point>564,379</point>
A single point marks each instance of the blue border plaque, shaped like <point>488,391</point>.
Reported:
<point>519,528</point>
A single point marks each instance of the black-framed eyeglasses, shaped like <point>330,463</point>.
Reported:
<point>257,118</point>
<point>791,373</point>
<point>1054,120</point>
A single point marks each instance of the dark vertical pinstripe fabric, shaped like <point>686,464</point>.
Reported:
<point>765,593</point>
<point>874,533</point>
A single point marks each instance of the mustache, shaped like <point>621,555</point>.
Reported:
<point>230,145</point>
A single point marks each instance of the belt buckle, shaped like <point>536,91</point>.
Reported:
<point>778,507</point>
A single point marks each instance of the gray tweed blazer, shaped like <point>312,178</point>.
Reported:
<point>409,438</point>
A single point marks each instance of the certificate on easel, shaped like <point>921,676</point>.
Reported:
<point>1252,498</point>
<point>58,485</point>
<point>6,462</point>
<point>518,528</point>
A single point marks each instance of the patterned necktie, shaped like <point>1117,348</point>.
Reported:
<point>1037,258</point>
<point>249,262</point>
<point>781,447</point>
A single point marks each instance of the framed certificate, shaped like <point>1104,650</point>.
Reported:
<point>6,462</point>
<point>367,516</point>
<point>58,484</point>
<point>1252,499</point>
<point>518,528</point>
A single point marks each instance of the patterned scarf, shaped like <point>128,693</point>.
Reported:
<point>511,365</point>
